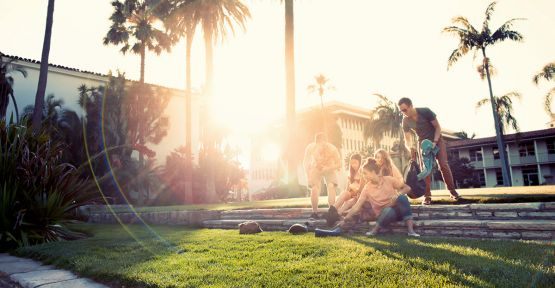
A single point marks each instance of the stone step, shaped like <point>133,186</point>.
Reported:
<point>521,211</point>
<point>474,228</point>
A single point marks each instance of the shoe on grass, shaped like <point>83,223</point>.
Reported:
<point>413,234</point>
<point>371,233</point>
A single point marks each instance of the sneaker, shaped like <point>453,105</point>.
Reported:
<point>413,234</point>
<point>455,196</point>
<point>371,233</point>
<point>314,215</point>
<point>427,201</point>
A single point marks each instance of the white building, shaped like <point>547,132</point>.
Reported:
<point>64,81</point>
<point>531,157</point>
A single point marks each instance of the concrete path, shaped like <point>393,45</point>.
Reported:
<point>29,274</point>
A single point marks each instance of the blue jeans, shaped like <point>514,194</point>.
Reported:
<point>399,211</point>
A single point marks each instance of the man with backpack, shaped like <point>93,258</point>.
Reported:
<point>423,122</point>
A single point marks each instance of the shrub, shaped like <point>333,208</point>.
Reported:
<point>39,192</point>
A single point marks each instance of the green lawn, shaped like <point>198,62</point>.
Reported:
<point>223,258</point>
<point>481,195</point>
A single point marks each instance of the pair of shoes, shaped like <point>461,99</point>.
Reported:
<point>314,215</point>
<point>413,234</point>
<point>427,201</point>
<point>332,216</point>
<point>371,233</point>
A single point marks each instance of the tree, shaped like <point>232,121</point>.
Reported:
<point>320,86</point>
<point>215,17</point>
<point>547,73</point>
<point>182,22</point>
<point>290,91</point>
<point>504,105</point>
<point>463,172</point>
<point>472,39</point>
<point>43,74</point>
<point>387,118</point>
<point>463,135</point>
<point>137,19</point>
<point>6,85</point>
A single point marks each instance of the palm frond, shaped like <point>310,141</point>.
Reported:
<point>465,23</point>
<point>482,102</point>
<point>547,73</point>
<point>489,12</point>
<point>548,100</point>
<point>504,32</point>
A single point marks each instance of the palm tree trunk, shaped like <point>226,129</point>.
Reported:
<point>499,135</point>
<point>188,102</point>
<point>290,93</point>
<point>15,107</point>
<point>43,74</point>
<point>208,132</point>
<point>140,127</point>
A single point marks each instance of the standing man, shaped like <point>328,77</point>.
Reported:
<point>424,123</point>
<point>321,160</point>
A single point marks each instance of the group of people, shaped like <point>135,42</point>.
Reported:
<point>376,189</point>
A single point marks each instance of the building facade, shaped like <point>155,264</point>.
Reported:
<point>531,157</point>
<point>64,82</point>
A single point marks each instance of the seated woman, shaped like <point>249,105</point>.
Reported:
<point>355,183</point>
<point>387,203</point>
<point>387,168</point>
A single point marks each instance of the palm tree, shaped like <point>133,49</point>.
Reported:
<point>464,136</point>
<point>547,73</point>
<point>320,86</point>
<point>472,39</point>
<point>43,74</point>
<point>6,85</point>
<point>387,118</point>
<point>137,19</point>
<point>182,22</point>
<point>290,89</point>
<point>504,105</point>
<point>215,17</point>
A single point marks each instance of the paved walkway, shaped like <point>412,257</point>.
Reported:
<point>29,274</point>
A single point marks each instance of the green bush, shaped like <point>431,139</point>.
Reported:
<point>39,191</point>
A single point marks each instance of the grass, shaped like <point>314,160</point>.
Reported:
<point>223,258</point>
<point>481,195</point>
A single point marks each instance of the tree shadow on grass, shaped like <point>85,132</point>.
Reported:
<point>492,269</point>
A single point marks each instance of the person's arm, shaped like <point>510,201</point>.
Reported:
<point>396,173</point>
<point>400,186</point>
<point>358,206</point>
<point>437,134</point>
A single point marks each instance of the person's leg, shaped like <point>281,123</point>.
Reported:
<point>342,198</point>
<point>347,205</point>
<point>331,183</point>
<point>402,205</point>
<point>315,180</point>
<point>387,216</point>
<point>443,162</point>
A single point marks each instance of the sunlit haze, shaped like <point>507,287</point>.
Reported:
<point>395,48</point>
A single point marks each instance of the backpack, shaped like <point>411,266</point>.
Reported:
<point>418,187</point>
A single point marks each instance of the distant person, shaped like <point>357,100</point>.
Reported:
<point>387,196</point>
<point>386,165</point>
<point>321,160</point>
<point>355,183</point>
<point>424,123</point>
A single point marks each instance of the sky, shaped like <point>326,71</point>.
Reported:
<point>393,47</point>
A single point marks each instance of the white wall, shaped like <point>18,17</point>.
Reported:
<point>64,83</point>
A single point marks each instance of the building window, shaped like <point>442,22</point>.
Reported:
<point>495,153</point>
<point>530,175</point>
<point>550,146</point>
<point>526,149</point>
<point>499,177</point>
<point>475,155</point>
<point>481,177</point>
